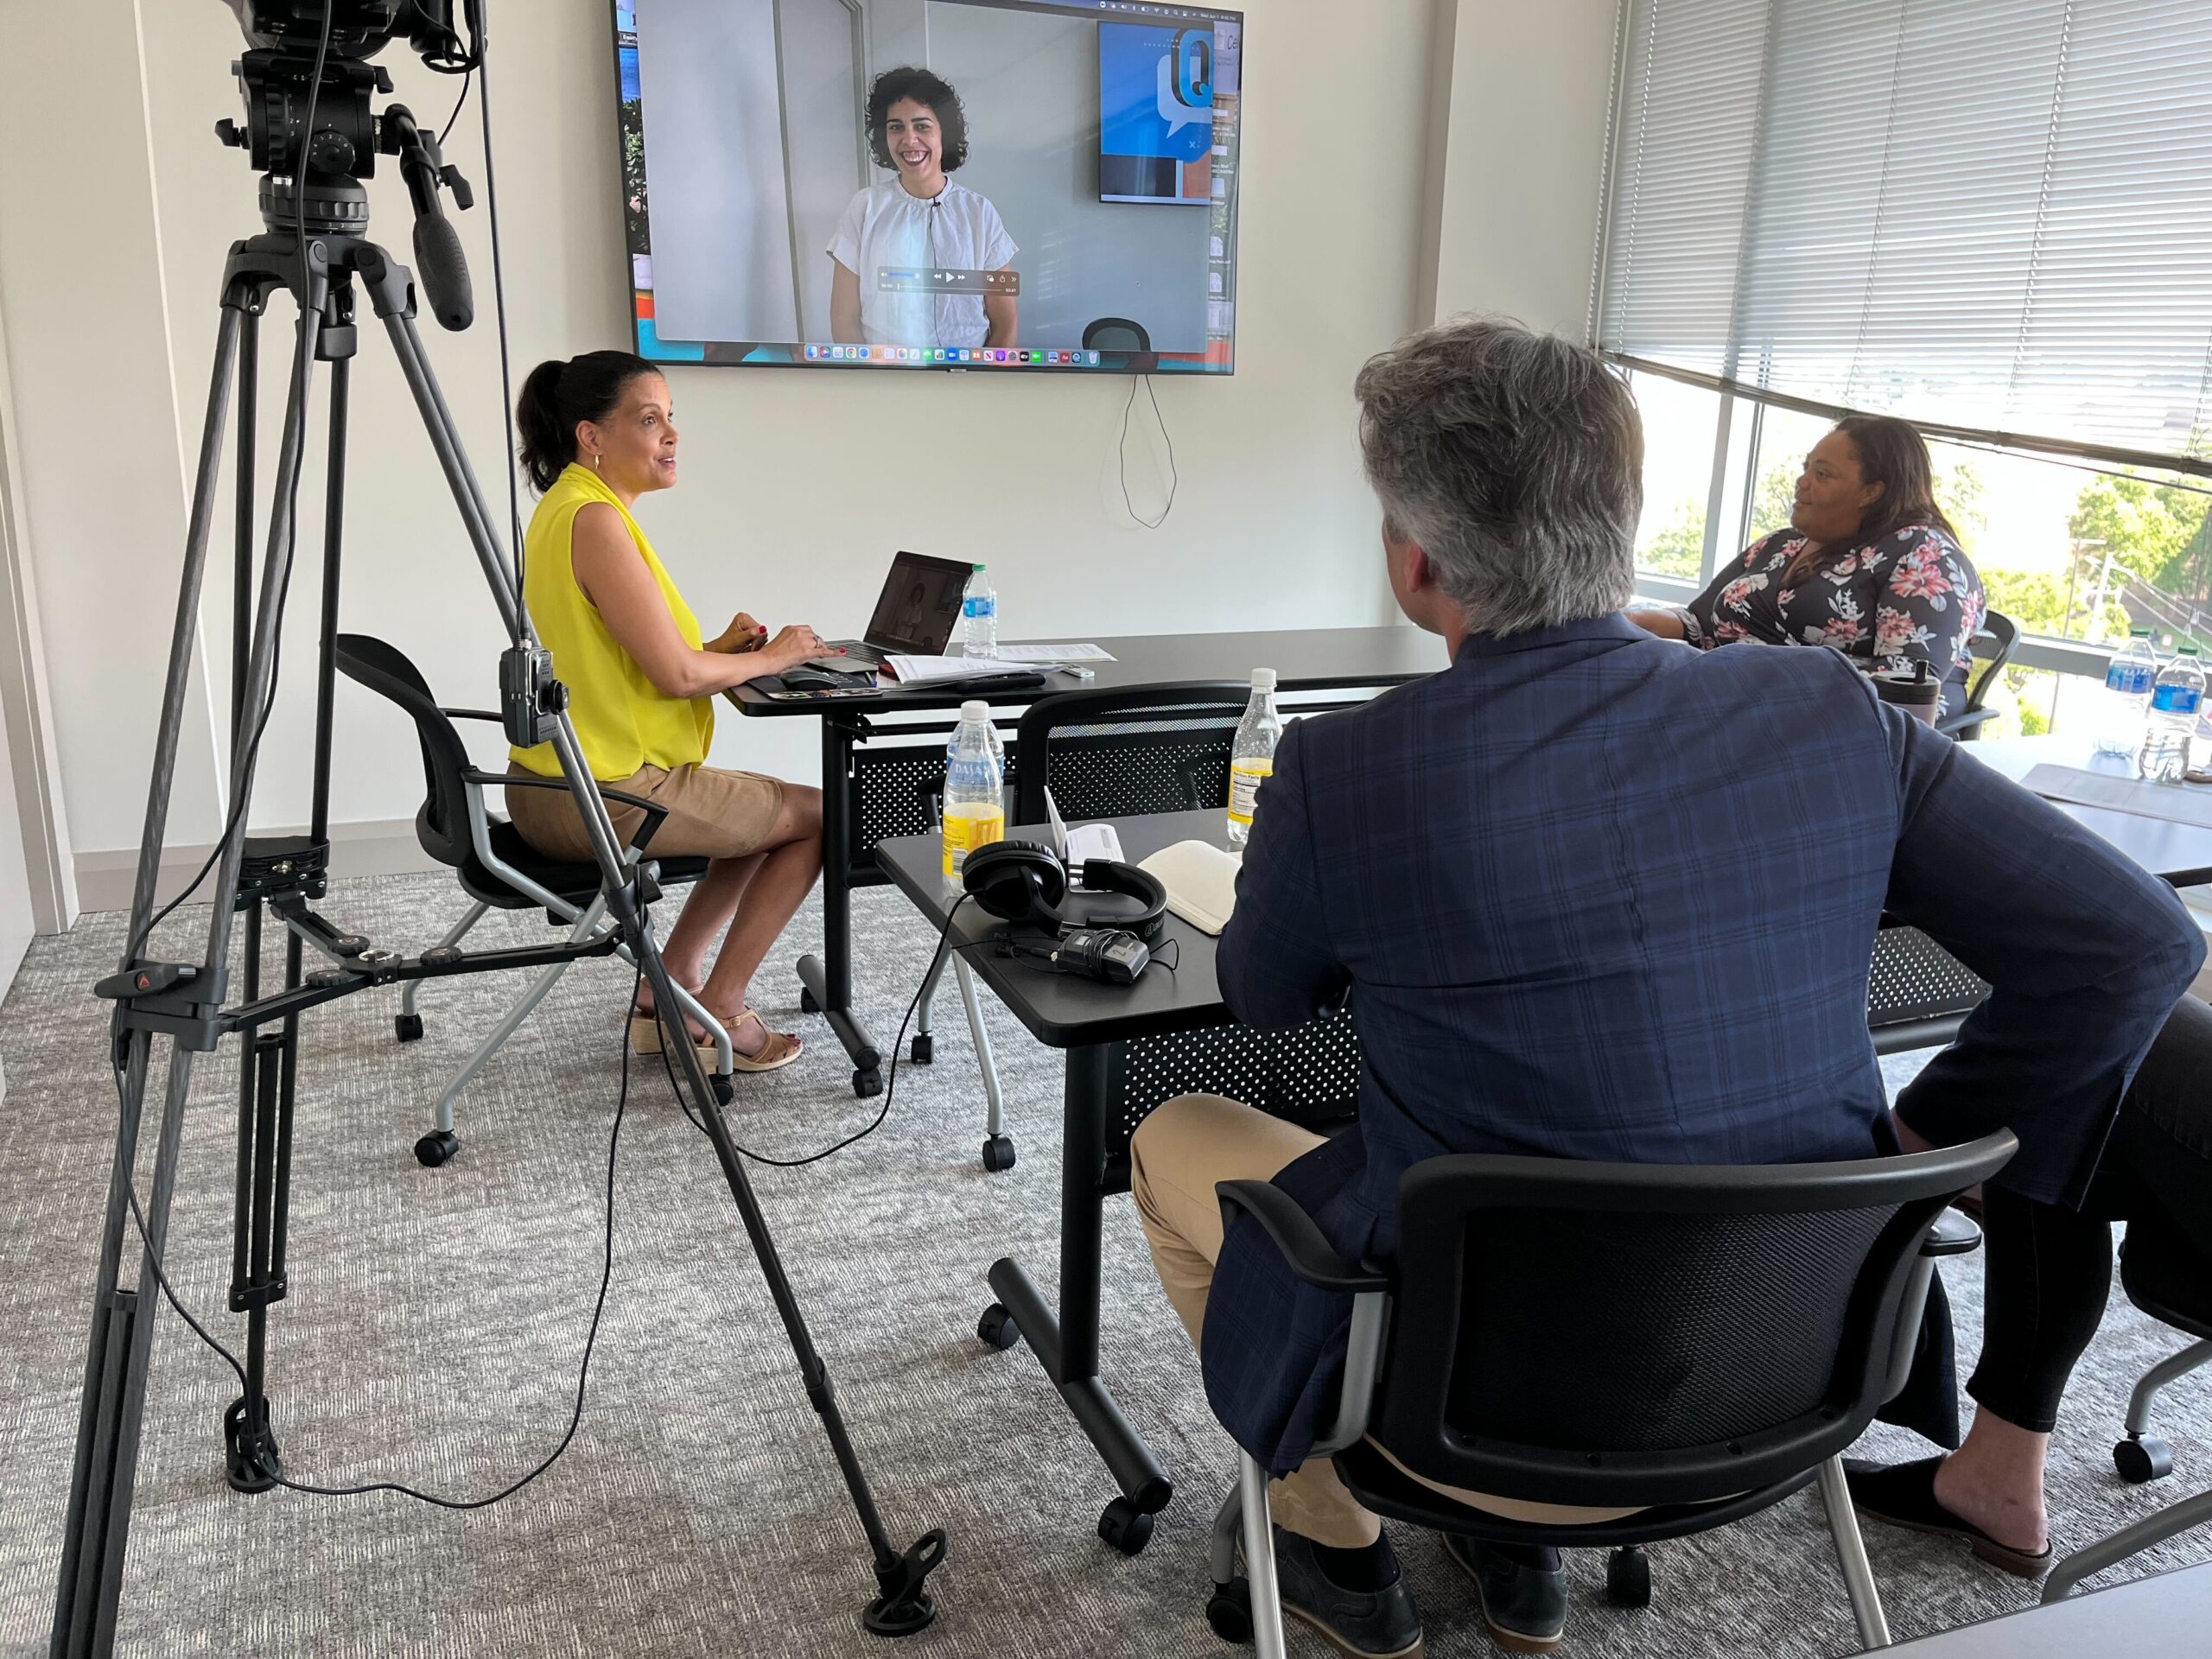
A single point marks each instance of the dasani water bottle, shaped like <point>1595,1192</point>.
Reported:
<point>979,616</point>
<point>2134,670</point>
<point>2175,699</point>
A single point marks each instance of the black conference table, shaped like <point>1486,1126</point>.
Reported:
<point>1089,1020</point>
<point>1311,659</point>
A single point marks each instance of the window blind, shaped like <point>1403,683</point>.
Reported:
<point>1992,217</point>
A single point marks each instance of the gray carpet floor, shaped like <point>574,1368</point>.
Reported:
<point>436,1319</point>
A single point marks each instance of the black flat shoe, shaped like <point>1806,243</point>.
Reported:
<point>1380,1624</point>
<point>1524,1606</point>
<point>1903,1495</point>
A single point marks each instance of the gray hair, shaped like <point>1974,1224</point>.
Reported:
<point>1515,460</point>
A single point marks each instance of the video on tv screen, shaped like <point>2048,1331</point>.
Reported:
<point>905,184</point>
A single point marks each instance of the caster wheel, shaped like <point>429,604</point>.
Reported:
<point>923,1050</point>
<point>408,1027</point>
<point>437,1150</point>
<point>998,1153</point>
<point>1229,1612</point>
<point>2139,1461</point>
<point>997,1328</point>
<point>867,1084</point>
<point>1126,1527</point>
<point>725,1088</point>
<point>806,1002</point>
<point>1628,1578</point>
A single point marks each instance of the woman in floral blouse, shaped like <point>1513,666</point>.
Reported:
<point>1868,565</point>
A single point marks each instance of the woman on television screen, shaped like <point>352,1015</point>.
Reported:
<point>920,221</point>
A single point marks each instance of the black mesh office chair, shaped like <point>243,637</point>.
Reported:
<point>496,866</point>
<point>1993,642</point>
<point>1697,1343</point>
<point>2166,1276</point>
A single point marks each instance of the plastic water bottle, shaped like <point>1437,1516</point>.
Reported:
<point>975,781</point>
<point>2134,670</point>
<point>1252,758</point>
<point>979,616</point>
<point>2175,700</point>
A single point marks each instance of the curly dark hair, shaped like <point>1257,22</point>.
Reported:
<point>924,87</point>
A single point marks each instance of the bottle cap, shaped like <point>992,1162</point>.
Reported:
<point>975,708</point>
<point>2139,633</point>
<point>975,567</point>
<point>2185,651</point>
<point>1263,679</point>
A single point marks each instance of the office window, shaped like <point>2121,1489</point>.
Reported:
<point>1992,216</point>
<point>1680,424</point>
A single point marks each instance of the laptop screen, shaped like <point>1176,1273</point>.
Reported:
<point>919,605</point>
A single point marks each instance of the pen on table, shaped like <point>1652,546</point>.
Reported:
<point>1076,670</point>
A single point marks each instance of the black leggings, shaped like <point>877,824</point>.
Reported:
<point>2049,1268</point>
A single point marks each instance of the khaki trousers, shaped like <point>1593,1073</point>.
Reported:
<point>1177,1156</point>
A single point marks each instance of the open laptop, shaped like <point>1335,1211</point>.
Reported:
<point>915,614</point>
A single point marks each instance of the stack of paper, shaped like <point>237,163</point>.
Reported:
<point>931,671</point>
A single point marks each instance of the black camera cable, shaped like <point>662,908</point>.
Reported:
<point>583,1368</point>
<point>237,805</point>
<point>890,1083</point>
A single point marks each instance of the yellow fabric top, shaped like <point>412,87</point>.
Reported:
<point>622,719</point>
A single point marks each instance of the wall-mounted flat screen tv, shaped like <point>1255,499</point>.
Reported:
<point>1003,185</point>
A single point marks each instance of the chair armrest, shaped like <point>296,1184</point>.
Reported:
<point>655,813</point>
<point>474,713</point>
<point>1951,1234</point>
<point>1293,1233</point>
<point>1966,722</point>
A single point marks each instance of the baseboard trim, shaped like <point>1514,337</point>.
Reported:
<point>370,847</point>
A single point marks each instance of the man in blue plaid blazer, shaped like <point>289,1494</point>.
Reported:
<point>1597,895</point>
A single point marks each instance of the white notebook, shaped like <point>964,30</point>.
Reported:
<point>1201,882</point>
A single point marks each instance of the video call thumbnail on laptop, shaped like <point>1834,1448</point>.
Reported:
<point>914,615</point>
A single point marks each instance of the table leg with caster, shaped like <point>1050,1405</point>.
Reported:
<point>826,981</point>
<point>1066,1344</point>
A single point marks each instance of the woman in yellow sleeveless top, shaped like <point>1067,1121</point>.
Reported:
<point>597,432</point>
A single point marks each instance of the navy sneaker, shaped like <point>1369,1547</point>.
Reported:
<point>1524,1606</point>
<point>1378,1624</point>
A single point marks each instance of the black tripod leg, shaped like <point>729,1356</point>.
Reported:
<point>251,1463</point>
<point>100,1482</point>
<point>902,1605</point>
<point>98,1529</point>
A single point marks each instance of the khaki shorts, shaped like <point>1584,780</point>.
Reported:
<point>711,813</point>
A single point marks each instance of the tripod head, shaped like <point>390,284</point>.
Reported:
<point>313,179</point>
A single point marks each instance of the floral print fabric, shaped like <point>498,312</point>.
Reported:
<point>1912,596</point>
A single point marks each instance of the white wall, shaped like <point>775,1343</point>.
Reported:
<point>1522,157</point>
<point>798,486</point>
<point>100,452</point>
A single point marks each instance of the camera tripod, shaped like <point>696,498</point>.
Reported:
<point>188,1003</point>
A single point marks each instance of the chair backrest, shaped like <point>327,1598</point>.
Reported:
<point>1120,750</point>
<point>1115,334</point>
<point>443,824</point>
<point>1993,642</point>
<point>1649,1333</point>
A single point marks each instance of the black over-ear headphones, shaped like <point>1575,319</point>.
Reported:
<point>1024,883</point>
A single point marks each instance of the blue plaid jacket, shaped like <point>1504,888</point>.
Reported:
<point>1597,895</point>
